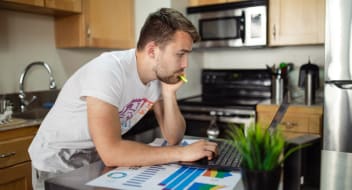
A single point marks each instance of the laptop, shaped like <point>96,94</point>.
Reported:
<point>229,158</point>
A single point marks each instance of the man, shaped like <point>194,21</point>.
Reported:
<point>110,94</point>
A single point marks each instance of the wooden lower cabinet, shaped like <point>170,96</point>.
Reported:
<point>298,120</point>
<point>15,164</point>
<point>17,177</point>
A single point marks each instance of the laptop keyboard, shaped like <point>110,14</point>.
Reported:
<point>228,158</point>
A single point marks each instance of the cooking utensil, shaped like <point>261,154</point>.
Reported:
<point>279,114</point>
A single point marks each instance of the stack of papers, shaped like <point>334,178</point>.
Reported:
<point>167,177</point>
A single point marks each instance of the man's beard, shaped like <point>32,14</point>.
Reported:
<point>171,79</point>
<point>168,79</point>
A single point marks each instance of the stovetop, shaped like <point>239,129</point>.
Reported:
<point>197,101</point>
<point>234,88</point>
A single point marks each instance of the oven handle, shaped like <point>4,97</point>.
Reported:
<point>198,117</point>
<point>232,119</point>
<point>246,121</point>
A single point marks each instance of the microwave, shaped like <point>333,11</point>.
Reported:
<point>236,24</point>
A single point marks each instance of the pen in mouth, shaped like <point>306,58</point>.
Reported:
<point>183,78</point>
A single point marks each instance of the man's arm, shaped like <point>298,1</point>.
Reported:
<point>168,115</point>
<point>105,130</point>
<point>170,119</point>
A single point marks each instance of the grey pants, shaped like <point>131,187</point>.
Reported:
<point>72,158</point>
<point>38,178</point>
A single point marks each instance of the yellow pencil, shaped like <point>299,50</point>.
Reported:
<point>183,78</point>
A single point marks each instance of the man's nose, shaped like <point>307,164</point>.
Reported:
<point>184,63</point>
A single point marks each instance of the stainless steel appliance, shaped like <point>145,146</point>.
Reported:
<point>309,81</point>
<point>232,24</point>
<point>228,99</point>
<point>337,145</point>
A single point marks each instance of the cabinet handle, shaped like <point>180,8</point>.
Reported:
<point>5,155</point>
<point>89,32</point>
<point>274,32</point>
<point>289,125</point>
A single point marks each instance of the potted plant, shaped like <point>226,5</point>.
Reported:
<point>262,155</point>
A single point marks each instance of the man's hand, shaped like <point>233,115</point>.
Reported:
<point>198,150</point>
<point>167,89</point>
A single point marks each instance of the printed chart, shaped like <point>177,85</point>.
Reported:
<point>167,177</point>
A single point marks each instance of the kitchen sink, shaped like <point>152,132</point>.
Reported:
<point>37,113</point>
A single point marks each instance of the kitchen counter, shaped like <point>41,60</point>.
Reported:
<point>78,178</point>
<point>16,123</point>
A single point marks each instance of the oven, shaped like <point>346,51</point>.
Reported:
<point>228,99</point>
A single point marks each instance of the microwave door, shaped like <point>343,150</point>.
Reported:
<point>221,31</point>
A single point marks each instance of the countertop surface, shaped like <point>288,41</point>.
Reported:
<point>16,123</point>
<point>78,178</point>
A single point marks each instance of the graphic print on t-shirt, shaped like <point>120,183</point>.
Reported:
<point>133,112</point>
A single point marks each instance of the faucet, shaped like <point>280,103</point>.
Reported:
<point>52,85</point>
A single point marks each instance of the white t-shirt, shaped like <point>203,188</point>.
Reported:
<point>63,141</point>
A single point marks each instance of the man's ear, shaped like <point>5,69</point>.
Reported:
<point>151,49</point>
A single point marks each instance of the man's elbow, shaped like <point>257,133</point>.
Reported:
<point>174,141</point>
<point>108,161</point>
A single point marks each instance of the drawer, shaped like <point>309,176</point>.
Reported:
<point>14,151</point>
<point>298,124</point>
<point>297,120</point>
<point>17,177</point>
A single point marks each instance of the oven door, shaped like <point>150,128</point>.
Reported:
<point>198,124</point>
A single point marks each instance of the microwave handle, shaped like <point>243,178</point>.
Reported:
<point>243,27</point>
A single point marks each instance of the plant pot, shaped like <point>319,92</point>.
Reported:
<point>254,180</point>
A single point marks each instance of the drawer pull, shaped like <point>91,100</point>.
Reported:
<point>7,154</point>
<point>289,125</point>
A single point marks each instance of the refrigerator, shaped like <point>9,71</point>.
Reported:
<point>336,165</point>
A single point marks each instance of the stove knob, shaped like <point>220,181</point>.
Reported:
<point>212,113</point>
<point>213,132</point>
<point>220,113</point>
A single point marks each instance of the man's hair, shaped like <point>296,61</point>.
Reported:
<point>161,26</point>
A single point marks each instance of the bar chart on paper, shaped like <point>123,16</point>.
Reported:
<point>167,177</point>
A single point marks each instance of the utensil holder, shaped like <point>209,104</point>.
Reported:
<point>278,90</point>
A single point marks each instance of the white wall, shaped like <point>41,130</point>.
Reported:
<point>26,37</point>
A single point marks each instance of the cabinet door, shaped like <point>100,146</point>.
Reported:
<point>18,177</point>
<point>15,164</point>
<point>39,3</point>
<point>296,22</point>
<point>66,5</point>
<point>14,151</point>
<point>102,24</point>
<point>209,2</point>
<point>204,2</point>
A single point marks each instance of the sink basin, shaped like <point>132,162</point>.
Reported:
<point>38,113</point>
